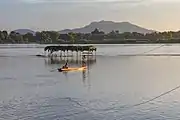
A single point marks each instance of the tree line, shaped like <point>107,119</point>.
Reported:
<point>96,36</point>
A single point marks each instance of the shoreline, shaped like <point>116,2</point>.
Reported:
<point>106,43</point>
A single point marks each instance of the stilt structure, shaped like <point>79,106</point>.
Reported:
<point>82,49</point>
<point>89,52</point>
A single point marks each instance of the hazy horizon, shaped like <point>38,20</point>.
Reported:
<point>160,15</point>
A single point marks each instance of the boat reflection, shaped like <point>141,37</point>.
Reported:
<point>71,62</point>
<point>86,79</point>
<point>74,63</point>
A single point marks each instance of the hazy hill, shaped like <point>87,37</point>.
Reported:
<point>108,26</point>
<point>24,31</point>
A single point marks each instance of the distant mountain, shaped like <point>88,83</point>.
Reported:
<point>24,31</point>
<point>108,26</point>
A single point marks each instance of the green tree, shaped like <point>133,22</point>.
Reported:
<point>38,37</point>
<point>29,38</point>
<point>16,37</point>
<point>72,36</point>
<point>54,36</point>
<point>45,37</point>
<point>117,32</point>
<point>2,36</point>
<point>5,34</point>
<point>19,38</point>
<point>96,31</point>
<point>12,36</point>
<point>126,35</point>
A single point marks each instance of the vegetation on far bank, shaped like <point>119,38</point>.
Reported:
<point>95,37</point>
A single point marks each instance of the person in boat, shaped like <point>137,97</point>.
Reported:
<point>83,63</point>
<point>83,58</point>
<point>65,66</point>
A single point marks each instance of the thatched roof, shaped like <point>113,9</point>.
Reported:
<point>70,48</point>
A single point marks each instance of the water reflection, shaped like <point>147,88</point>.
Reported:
<point>71,61</point>
<point>86,78</point>
<point>74,62</point>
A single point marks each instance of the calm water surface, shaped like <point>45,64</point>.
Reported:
<point>113,87</point>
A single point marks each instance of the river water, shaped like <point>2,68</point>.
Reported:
<point>124,82</point>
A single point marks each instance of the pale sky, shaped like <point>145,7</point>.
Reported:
<point>61,14</point>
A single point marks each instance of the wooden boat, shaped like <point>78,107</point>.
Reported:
<point>72,69</point>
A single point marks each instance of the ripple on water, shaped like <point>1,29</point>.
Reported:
<point>7,78</point>
<point>75,108</point>
<point>53,108</point>
<point>44,76</point>
<point>41,109</point>
<point>41,82</point>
